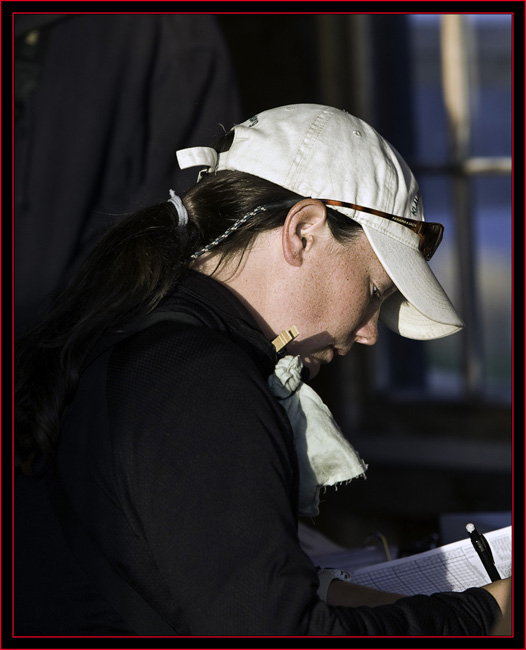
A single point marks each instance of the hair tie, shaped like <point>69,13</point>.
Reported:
<point>179,206</point>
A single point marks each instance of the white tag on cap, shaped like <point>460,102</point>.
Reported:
<point>197,157</point>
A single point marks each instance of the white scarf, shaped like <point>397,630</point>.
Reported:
<point>325,457</point>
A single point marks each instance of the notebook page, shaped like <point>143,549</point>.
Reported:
<point>454,567</point>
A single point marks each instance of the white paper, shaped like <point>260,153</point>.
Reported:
<point>454,567</point>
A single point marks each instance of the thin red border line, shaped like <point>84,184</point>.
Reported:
<point>246,13</point>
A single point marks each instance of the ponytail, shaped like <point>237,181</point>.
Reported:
<point>126,275</point>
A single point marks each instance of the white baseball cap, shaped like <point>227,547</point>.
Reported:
<point>326,153</point>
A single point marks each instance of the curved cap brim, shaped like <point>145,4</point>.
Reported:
<point>421,308</point>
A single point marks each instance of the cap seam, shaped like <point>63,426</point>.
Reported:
<point>307,144</point>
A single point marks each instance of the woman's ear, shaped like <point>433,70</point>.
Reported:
<point>304,222</point>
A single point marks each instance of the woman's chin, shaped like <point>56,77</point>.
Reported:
<point>314,362</point>
<point>311,367</point>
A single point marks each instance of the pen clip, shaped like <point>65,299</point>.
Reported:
<point>487,547</point>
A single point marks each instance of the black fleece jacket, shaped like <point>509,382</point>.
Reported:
<point>181,465</point>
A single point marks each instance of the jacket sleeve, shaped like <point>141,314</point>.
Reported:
<point>206,477</point>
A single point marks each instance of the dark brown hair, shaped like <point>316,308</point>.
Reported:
<point>127,274</point>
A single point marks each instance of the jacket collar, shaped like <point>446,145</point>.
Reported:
<point>218,307</point>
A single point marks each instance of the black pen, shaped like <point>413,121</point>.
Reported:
<point>483,549</point>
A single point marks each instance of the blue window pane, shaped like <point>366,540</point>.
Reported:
<point>489,41</point>
<point>491,99</point>
<point>493,239</point>
<point>430,127</point>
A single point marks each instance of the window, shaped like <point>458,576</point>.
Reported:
<point>485,351</point>
<point>459,386</point>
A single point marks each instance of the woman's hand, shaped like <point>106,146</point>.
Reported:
<point>501,591</point>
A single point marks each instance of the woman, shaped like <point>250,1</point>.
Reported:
<point>163,397</point>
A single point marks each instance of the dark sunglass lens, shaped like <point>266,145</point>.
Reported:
<point>431,240</point>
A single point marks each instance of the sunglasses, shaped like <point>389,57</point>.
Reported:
<point>430,233</point>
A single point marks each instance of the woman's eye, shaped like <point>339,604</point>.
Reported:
<point>376,293</point>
